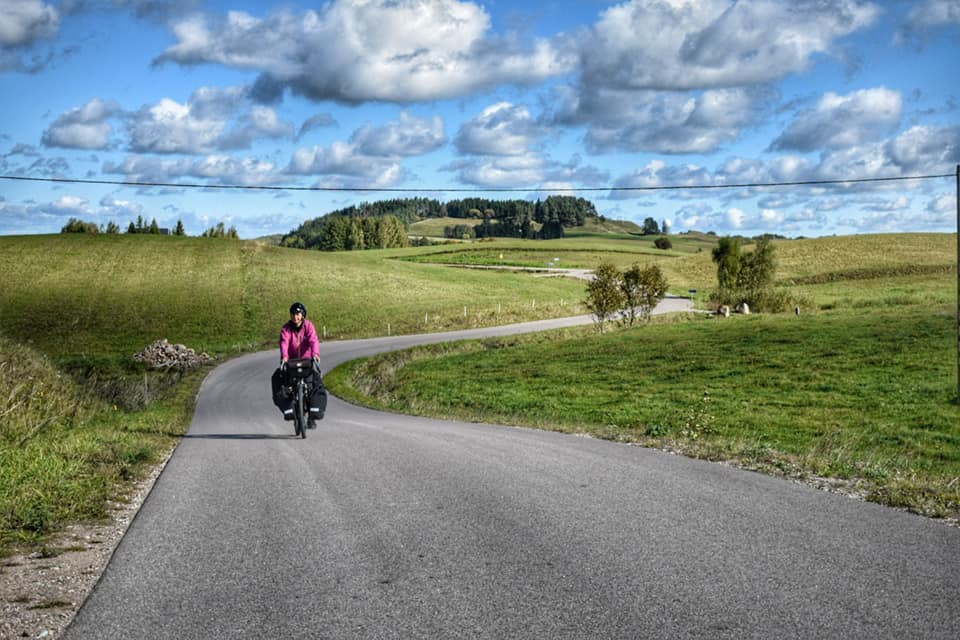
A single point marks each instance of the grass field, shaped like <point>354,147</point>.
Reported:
<point>75,309</point>
<point>859,386</point>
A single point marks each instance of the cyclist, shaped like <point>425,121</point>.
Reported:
<point>298,339</point>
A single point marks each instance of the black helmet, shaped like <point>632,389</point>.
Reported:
<point>298,306</point>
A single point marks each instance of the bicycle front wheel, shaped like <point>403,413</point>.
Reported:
<point>299,417</point>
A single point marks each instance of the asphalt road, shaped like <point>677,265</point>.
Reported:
<point>387,526</point>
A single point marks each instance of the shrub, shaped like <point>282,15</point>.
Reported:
<point>75,225</point>
<point>604,293</point>
<point>642,289</point>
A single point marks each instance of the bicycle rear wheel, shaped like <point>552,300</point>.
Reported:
<point>299,417</point>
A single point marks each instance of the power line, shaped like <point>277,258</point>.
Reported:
<point>744,185</point>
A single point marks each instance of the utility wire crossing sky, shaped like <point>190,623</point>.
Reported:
<point>687,111</point>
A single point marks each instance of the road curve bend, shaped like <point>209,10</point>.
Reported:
<point>389,526</point>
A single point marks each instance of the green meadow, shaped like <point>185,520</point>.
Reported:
<point>860,387</point>
<point>856,391</point>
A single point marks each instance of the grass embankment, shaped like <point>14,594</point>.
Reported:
<point>81,419</point>
<point>862,388</point>
<point>64,452</point>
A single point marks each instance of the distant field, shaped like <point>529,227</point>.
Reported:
<point>434,227</point>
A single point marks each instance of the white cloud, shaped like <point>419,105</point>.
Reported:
<point>529,169</point>
<point>408,136</point>
<point>502,129</point>
<point>111,207</point>
<point>659,174</point>
<point>172,127</point>
<point>898,203</point>
<point>844,121</point>
<point>689,77</point>
<point>85,127</point>
<point>259,122</point>
<point>659,121</point>
<point>506,171</point>
<point>925,149</point>
<point>944,205</point>
<point>342,160</point>
<point>72,205</point>
<point>735,218</point>
<point>215,169</point>
<point>214,118</point>
<point>682,45</point>
<point>370,157</point>
<point>23,22</point>
<point>387,50</point>
<point>925,17</point>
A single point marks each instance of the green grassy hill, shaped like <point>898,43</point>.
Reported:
<point>77,297</point>
<point>860,386</point>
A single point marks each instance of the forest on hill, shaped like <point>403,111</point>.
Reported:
<point>382,224</point>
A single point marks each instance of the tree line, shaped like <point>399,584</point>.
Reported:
<point>349,233</point>
<point>356,227</point>
<point>75,225</point>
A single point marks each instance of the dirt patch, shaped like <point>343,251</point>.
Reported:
<point>41,592</point>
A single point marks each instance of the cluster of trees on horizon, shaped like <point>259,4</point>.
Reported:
<point>337,232</point>
<point>75,225</point>
<point>543,219</point>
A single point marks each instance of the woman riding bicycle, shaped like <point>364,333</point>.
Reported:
<point>298,339</point>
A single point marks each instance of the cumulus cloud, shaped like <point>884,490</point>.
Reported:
<point>214,118</point>
<point>688,77</point>
<point>69,205</point>
<point>214,169</point>
<point>666,122</point>
<point>408,136</point>
<point>112,207</point>
<point>23,25</point>
<point>84,127</point>
<point>259,122</point>
<point>379,50</point>
<point>341,160</point>
<point>682,45</point>
<point>371,157</point>
<point>24,22</point>
<point>925,17</point>
<point>657,173</point>
<point>925,149</point>
<point>527,169</point>
<point>507,171</point>
<point>172,127</point>
<point>843,121</point>
<point>502,129</point>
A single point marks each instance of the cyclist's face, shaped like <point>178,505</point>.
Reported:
<point>297,318</point>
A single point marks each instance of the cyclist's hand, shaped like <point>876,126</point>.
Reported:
<point>283,366</point>
<point>316,362</point>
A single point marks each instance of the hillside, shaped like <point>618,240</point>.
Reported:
<point>83,305</point>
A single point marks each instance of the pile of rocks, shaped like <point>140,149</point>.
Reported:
<point>162,354</point>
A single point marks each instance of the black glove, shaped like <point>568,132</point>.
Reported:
<point>283,366</point>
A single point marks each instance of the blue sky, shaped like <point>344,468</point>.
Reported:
<point>449,99</point>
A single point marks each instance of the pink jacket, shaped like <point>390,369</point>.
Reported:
<point>299,344</point>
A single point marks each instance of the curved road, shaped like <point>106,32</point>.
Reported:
<point>388,526</point>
